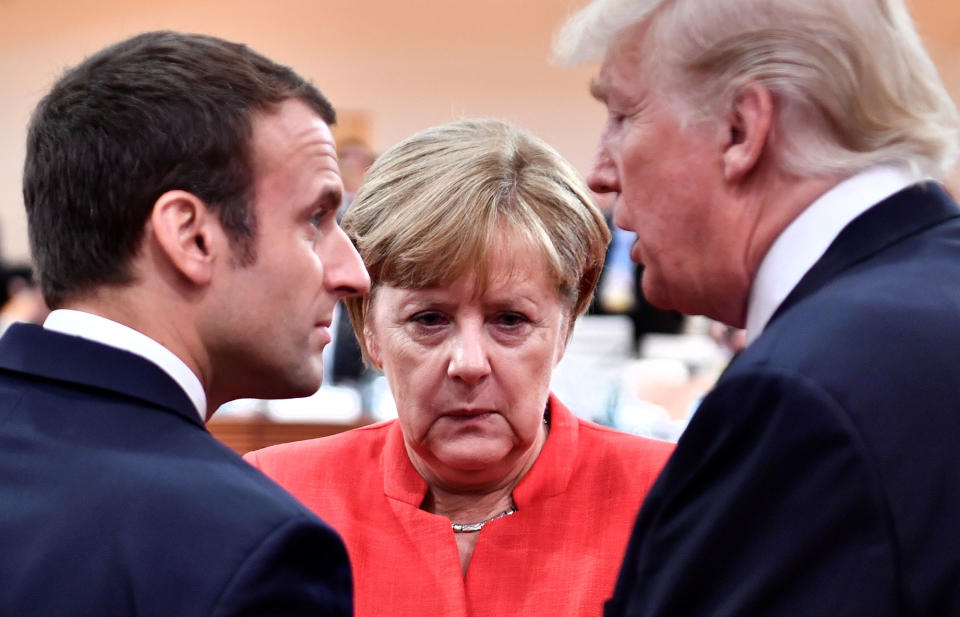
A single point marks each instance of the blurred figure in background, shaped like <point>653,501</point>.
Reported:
<point>346,362</point>
<point>734,340</point>
<point>487,496</point>
<point>777,160</point>
<point>355,158</point>
<point>20,297</point>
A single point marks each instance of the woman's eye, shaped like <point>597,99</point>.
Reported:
<point>428,318</point>
<point>511,319</point>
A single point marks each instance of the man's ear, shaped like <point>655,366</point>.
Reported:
<point>185,232</point>
<point>749,124</point>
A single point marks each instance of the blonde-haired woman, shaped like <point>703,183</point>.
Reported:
<point>486,496</point>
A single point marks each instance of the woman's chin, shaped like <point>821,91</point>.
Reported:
<point>473,454</point>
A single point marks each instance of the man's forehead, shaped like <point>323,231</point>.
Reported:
<point>614,78</point>
<point>603,85</point>
<point>624,63</point>
<point>291,127</point>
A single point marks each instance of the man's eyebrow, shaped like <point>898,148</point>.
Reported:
<point>598,90</point>
<point>329,199</point>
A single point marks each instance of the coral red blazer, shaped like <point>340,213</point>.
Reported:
<point>558,555</point>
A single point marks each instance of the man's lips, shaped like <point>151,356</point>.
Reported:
<point>323,327</point>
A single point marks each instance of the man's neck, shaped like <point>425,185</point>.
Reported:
<point>152,316</point>
<point>778,206</point>
<point>809,234</point>
<point>114,334</point>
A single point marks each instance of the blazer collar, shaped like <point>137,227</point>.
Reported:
<point>903,214</point>
<point>34,351</point>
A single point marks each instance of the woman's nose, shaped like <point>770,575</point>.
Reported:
<point>469,361</point>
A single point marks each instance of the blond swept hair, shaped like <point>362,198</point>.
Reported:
<point>438,204</point>
<point>852,83</point>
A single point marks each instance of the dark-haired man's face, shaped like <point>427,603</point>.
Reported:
<point>277,323</point>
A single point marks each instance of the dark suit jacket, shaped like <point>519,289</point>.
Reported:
<point>821,477</point>
<point>115,500</point>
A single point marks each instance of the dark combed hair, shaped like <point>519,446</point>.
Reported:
<point>157,112</point>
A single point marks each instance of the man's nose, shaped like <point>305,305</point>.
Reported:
<point>345,273</point>
<point>603,175</point>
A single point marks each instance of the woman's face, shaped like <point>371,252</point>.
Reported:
<point>471,373</point>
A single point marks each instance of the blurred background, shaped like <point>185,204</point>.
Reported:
<point>392,68</point>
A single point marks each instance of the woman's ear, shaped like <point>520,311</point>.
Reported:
<point>186,232</point>
<point>373,349</point>
<point>564,340</point>
<point>749,123</point>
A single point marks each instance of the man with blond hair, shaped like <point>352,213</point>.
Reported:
<point>779,163</point>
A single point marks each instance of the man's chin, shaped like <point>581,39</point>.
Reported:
<point>301,386</point>
<point>655,293</point>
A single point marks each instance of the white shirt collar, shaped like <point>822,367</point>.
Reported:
<point>806,239</point>
<point>109,332</point>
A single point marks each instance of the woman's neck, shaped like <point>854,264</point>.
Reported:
<point>469,507</point>
<point>475,504</point>
<point>468,498</point>
<point>466,508</point>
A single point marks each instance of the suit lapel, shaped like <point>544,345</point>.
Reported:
<point>899,216</point>
<point>37,352</point>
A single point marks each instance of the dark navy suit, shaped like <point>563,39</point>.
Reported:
<point>116,501</point>
<point>821,477</point>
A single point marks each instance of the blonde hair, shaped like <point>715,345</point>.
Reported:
<point>852,83</point>
<point>434,207</point>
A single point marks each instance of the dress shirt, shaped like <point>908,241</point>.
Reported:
<point>807,238</point>
<point>108,332</point>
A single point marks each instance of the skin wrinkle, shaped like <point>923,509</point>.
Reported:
<point>693,192</point>
<point>446,349</point>
<point>300,248</point>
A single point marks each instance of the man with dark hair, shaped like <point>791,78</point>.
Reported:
<point>181,194</point>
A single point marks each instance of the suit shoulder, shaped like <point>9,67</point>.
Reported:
<point>184,512</point>
<point>887,308</point>
<point>212,473</point>
<point>297,563</point>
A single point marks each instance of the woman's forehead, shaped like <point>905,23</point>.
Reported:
<point>507,255</point>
